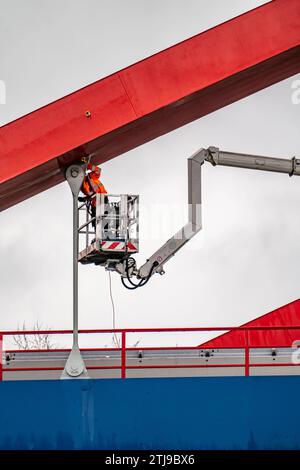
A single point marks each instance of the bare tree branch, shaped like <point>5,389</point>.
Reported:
<point>36,341</point>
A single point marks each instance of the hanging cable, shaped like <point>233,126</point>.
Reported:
<point>143,281</point>
<point>113,311</point>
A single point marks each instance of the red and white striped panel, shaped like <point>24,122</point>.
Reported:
<point>113,246</point>
<point>118,246</point>
<point>131,247</point>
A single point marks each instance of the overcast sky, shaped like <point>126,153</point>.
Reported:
<point>243,264</point>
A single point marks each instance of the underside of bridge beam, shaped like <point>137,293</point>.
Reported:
<point>150,98</point>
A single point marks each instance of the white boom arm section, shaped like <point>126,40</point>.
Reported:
<point>194,224</point>
<point>216,157</point>
<point>253,162</point>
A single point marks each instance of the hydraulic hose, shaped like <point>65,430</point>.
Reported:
<point>142,282</point>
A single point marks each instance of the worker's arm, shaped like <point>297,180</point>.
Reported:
<point>94,168</point>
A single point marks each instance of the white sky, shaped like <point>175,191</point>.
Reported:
<point>244,263</point>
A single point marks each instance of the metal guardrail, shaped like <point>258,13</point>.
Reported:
<point>123,349</point>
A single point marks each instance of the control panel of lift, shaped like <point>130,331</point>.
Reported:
<point>109,233</point>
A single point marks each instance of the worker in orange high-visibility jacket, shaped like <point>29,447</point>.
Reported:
<point>91,186</point>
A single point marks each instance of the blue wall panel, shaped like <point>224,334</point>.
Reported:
<point>173,413</point>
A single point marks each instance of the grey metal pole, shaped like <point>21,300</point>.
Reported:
<point>75,366</point>
<point>75,270</point>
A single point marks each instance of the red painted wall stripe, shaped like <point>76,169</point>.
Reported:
<point>150,98</point>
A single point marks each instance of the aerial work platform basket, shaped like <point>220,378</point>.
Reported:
<point>108,228</point>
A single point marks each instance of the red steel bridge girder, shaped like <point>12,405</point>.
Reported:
<point>150,98</point>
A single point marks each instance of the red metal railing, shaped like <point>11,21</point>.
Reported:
<point>123,367</point>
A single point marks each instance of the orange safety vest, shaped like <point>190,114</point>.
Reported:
<point>91,183</point>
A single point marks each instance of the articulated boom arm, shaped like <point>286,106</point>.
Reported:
<point>216,157</point>
<point>193,226</point>
<point>253,162</point>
